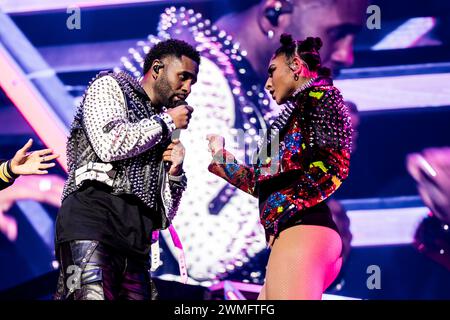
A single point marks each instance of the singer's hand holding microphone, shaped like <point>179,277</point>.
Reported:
<point>175,152</point>
<point>181,114</point>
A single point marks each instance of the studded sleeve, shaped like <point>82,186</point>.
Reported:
<point>326,158</point>
<point>111,134</point>
<point>172,193</point>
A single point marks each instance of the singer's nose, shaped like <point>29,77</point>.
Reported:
<point>187,87</point>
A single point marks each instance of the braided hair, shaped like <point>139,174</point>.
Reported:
<point>307,50</point>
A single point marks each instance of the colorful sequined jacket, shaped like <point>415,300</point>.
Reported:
<point>311,160</point>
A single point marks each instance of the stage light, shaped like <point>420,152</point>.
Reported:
<point>407,35</point>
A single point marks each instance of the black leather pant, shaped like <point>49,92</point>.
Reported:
<point>90,270</point>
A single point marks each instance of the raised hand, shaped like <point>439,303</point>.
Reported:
<point>35,162</point>
<point>216,143</point>
<point>431,171</point>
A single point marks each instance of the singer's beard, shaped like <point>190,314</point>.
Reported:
<point>166,93</point>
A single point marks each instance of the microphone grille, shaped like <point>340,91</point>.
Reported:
<point>180,103</point>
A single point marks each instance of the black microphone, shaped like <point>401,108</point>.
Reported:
<point>180,103</point>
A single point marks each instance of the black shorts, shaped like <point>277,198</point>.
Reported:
<point>319,215</point>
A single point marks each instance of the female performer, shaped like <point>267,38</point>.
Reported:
<point>292,183</point>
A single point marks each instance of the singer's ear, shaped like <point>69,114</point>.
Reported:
<point>157,65</point>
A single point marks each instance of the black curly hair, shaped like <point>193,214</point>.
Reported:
<point>170,47</point>
<point>307,50</point>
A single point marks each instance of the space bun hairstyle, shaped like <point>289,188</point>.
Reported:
<point>307,50</point>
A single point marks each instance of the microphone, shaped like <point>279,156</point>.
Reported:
<point>180,103</point>
<point>177,132</point>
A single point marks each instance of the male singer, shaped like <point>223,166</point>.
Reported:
<point>125,175</point>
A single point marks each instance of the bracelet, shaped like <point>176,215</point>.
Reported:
<point>10,172</point>
<point>177,178</point>
<point>3,175</point>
